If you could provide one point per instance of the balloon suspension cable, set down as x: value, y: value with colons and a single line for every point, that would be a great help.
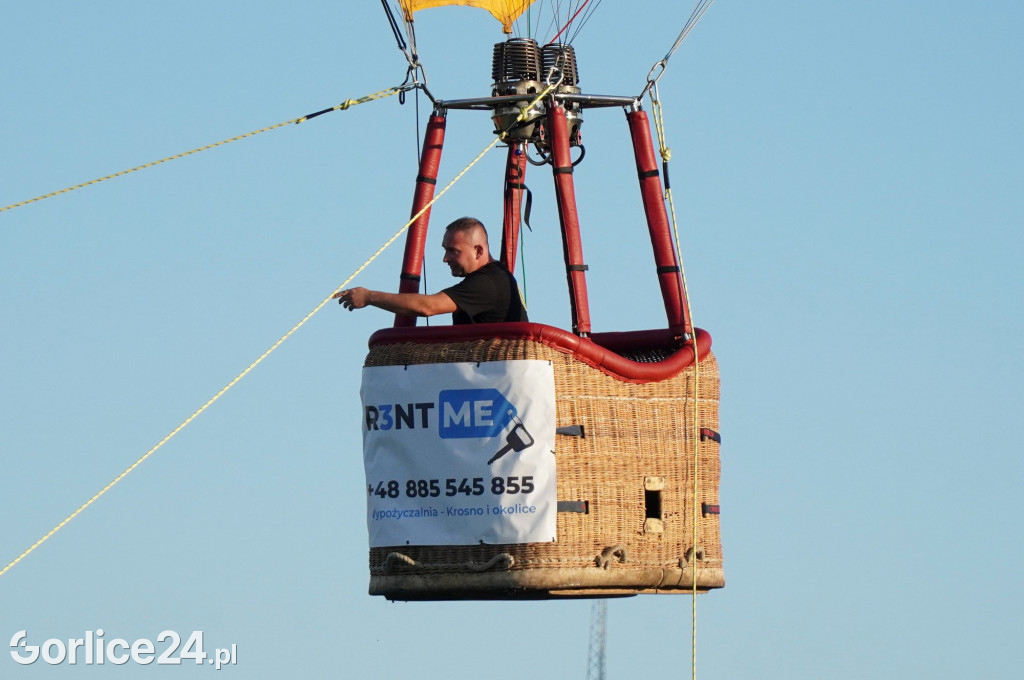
x: 410, y: 55
x: 568, y: 23
x: 415, y: 75
x: 658, y: 70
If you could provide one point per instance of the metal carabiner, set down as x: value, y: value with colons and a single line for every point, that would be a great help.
x: 654, y: 75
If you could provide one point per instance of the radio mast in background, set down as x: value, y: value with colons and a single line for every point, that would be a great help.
x: 598, y: 635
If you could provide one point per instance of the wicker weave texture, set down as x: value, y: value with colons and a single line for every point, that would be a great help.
x: 634, y: 467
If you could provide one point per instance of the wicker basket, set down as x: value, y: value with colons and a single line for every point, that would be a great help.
x: 625, y: 488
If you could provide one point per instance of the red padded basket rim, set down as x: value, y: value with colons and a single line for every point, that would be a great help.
x: 600, y: 350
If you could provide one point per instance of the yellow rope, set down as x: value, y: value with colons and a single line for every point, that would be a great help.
x: 340, y: 107
x: 251, y: 366
x: 666, y: 154
x: 359, y: 270
x: 659, y: 126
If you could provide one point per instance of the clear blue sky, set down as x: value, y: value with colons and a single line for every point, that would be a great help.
x: 848, y: 179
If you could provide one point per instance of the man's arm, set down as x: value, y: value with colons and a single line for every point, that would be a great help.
x: 407, y: 304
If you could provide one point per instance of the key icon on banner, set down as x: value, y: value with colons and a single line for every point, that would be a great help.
x: 518, y: 439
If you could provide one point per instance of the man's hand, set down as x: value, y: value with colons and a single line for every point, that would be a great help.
x: 407, y: 304
x: 354, y: 298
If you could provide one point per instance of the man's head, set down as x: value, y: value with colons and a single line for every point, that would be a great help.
x: 465, y: 246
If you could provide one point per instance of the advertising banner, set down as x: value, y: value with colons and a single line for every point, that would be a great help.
x: 459, y: 454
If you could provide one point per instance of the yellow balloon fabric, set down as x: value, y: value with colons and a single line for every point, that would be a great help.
x: 505, y: 11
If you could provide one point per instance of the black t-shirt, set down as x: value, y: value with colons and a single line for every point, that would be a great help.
x: 488, y: 295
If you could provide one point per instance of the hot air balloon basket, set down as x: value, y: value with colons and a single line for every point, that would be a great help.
x: 635, y: 513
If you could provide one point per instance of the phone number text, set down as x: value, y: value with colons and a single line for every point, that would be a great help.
x: 453, y: 486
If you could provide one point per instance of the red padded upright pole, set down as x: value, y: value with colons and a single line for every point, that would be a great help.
x: 565, y: 195
x: 515, y: 173
x: 669, y: 273
x: 415, y: 241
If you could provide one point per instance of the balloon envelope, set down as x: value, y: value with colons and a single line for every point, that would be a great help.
x: 505, y: 11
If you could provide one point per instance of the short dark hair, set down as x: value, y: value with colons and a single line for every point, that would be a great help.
x: 466, y: 225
